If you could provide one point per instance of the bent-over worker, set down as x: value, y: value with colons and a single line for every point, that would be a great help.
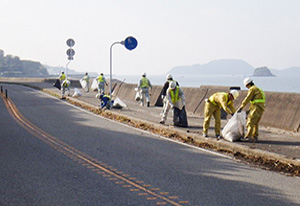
x: 213, y: 108
x: 175, y: 96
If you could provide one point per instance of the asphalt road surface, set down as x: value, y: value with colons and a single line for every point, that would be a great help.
x: 52, y: 153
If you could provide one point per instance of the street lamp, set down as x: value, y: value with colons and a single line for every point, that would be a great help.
x: 130, y: 43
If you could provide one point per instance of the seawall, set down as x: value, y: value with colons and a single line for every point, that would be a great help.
x: 282, y: 109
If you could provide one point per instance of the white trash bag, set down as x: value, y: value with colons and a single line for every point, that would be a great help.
x: 77, y: 93
x: 118, y: 103
x: 83, y: 84
x: 137, y: 95
x: 94, y: 85
x: 235, y: 127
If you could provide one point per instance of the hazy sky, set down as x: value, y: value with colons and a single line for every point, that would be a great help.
x: 169, y: 32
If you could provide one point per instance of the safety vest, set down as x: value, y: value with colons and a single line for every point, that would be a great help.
x: 86, y: 78
x: 211, y: 99
x: 175, y: 95
x: 263, y: 100
x: 62, y: 77
x: 100, y: 79
x: 144, y: 82
x: 65, y: 83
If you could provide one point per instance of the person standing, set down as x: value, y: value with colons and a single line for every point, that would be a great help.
x: 174, y: 96
x: 87, y: 79
x: 101, y: 84
x: 166, y: 105
x: 145, y: 84
x: 62, y: 77
x: 257, y: 99
x: 213, y: 108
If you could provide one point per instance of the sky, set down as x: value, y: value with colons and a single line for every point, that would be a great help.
x: 170, y: 33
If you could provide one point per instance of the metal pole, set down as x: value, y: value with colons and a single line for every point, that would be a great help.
x: 67, y: 69
x: 6, y: 94
x: 110, y: 75
x: 1, y: 89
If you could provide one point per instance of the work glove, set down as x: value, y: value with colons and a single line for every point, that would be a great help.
x: 239, y: 109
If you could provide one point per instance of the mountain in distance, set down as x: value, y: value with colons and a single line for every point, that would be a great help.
x: 292, y: 71
x: 56, y: 70
x: 219, y: 67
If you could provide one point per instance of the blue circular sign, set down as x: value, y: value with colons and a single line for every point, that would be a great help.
x: 70, y: 52
x: 130, y: 43
x: 70, y: 42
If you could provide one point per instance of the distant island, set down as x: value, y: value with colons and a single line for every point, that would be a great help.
x: 263, y: 72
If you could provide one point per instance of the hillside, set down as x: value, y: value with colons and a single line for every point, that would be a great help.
x: 13, y: 66
x: 219, y: 67
x: 292, y: 71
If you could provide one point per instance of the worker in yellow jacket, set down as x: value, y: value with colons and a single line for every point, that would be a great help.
x: 256, y: 97
x: 145, y: 85
x: 213, y: 108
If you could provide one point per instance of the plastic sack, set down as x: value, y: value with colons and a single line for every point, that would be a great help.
x: 94, y: 85
x: 77, y: 93
x: 118, y: 103
x: 235, y: 127
x: 180, y: 117
x: 57, y: 84
x: 83, y: 84
x: 137, y: 96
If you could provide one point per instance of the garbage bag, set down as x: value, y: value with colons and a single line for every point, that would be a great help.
x: 77, y: 93
x: 118, y: 103
x: 57, y: 84
x: 83, y: 84
x: 235, y: 127
x: 94, y: 85
x: 137, y: 96
x: 180, y: 117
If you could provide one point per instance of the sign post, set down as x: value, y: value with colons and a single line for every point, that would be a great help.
x: 70, y: 53
x: 130, y: 43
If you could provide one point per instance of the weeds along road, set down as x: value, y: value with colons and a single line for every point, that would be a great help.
x: 52, y: 153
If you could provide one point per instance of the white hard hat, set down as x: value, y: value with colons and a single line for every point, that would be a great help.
x: 247, y: 81
x: 169, y: 76
x: 235, y: 93
x: 172, y: 85
x: 144, y: 74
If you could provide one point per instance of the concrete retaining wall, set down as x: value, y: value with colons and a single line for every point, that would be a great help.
x: 282, y: 109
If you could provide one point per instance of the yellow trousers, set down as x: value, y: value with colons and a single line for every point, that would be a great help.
x: 255, y: 114
x: 209, y: 111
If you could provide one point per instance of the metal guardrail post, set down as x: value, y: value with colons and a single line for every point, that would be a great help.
x: 6, y: 94
x: 1, y: 89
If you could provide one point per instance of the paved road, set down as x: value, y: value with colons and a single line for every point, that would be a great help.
x: 52, y: 153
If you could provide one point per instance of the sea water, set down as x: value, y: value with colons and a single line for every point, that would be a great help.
x: 290, y: 84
